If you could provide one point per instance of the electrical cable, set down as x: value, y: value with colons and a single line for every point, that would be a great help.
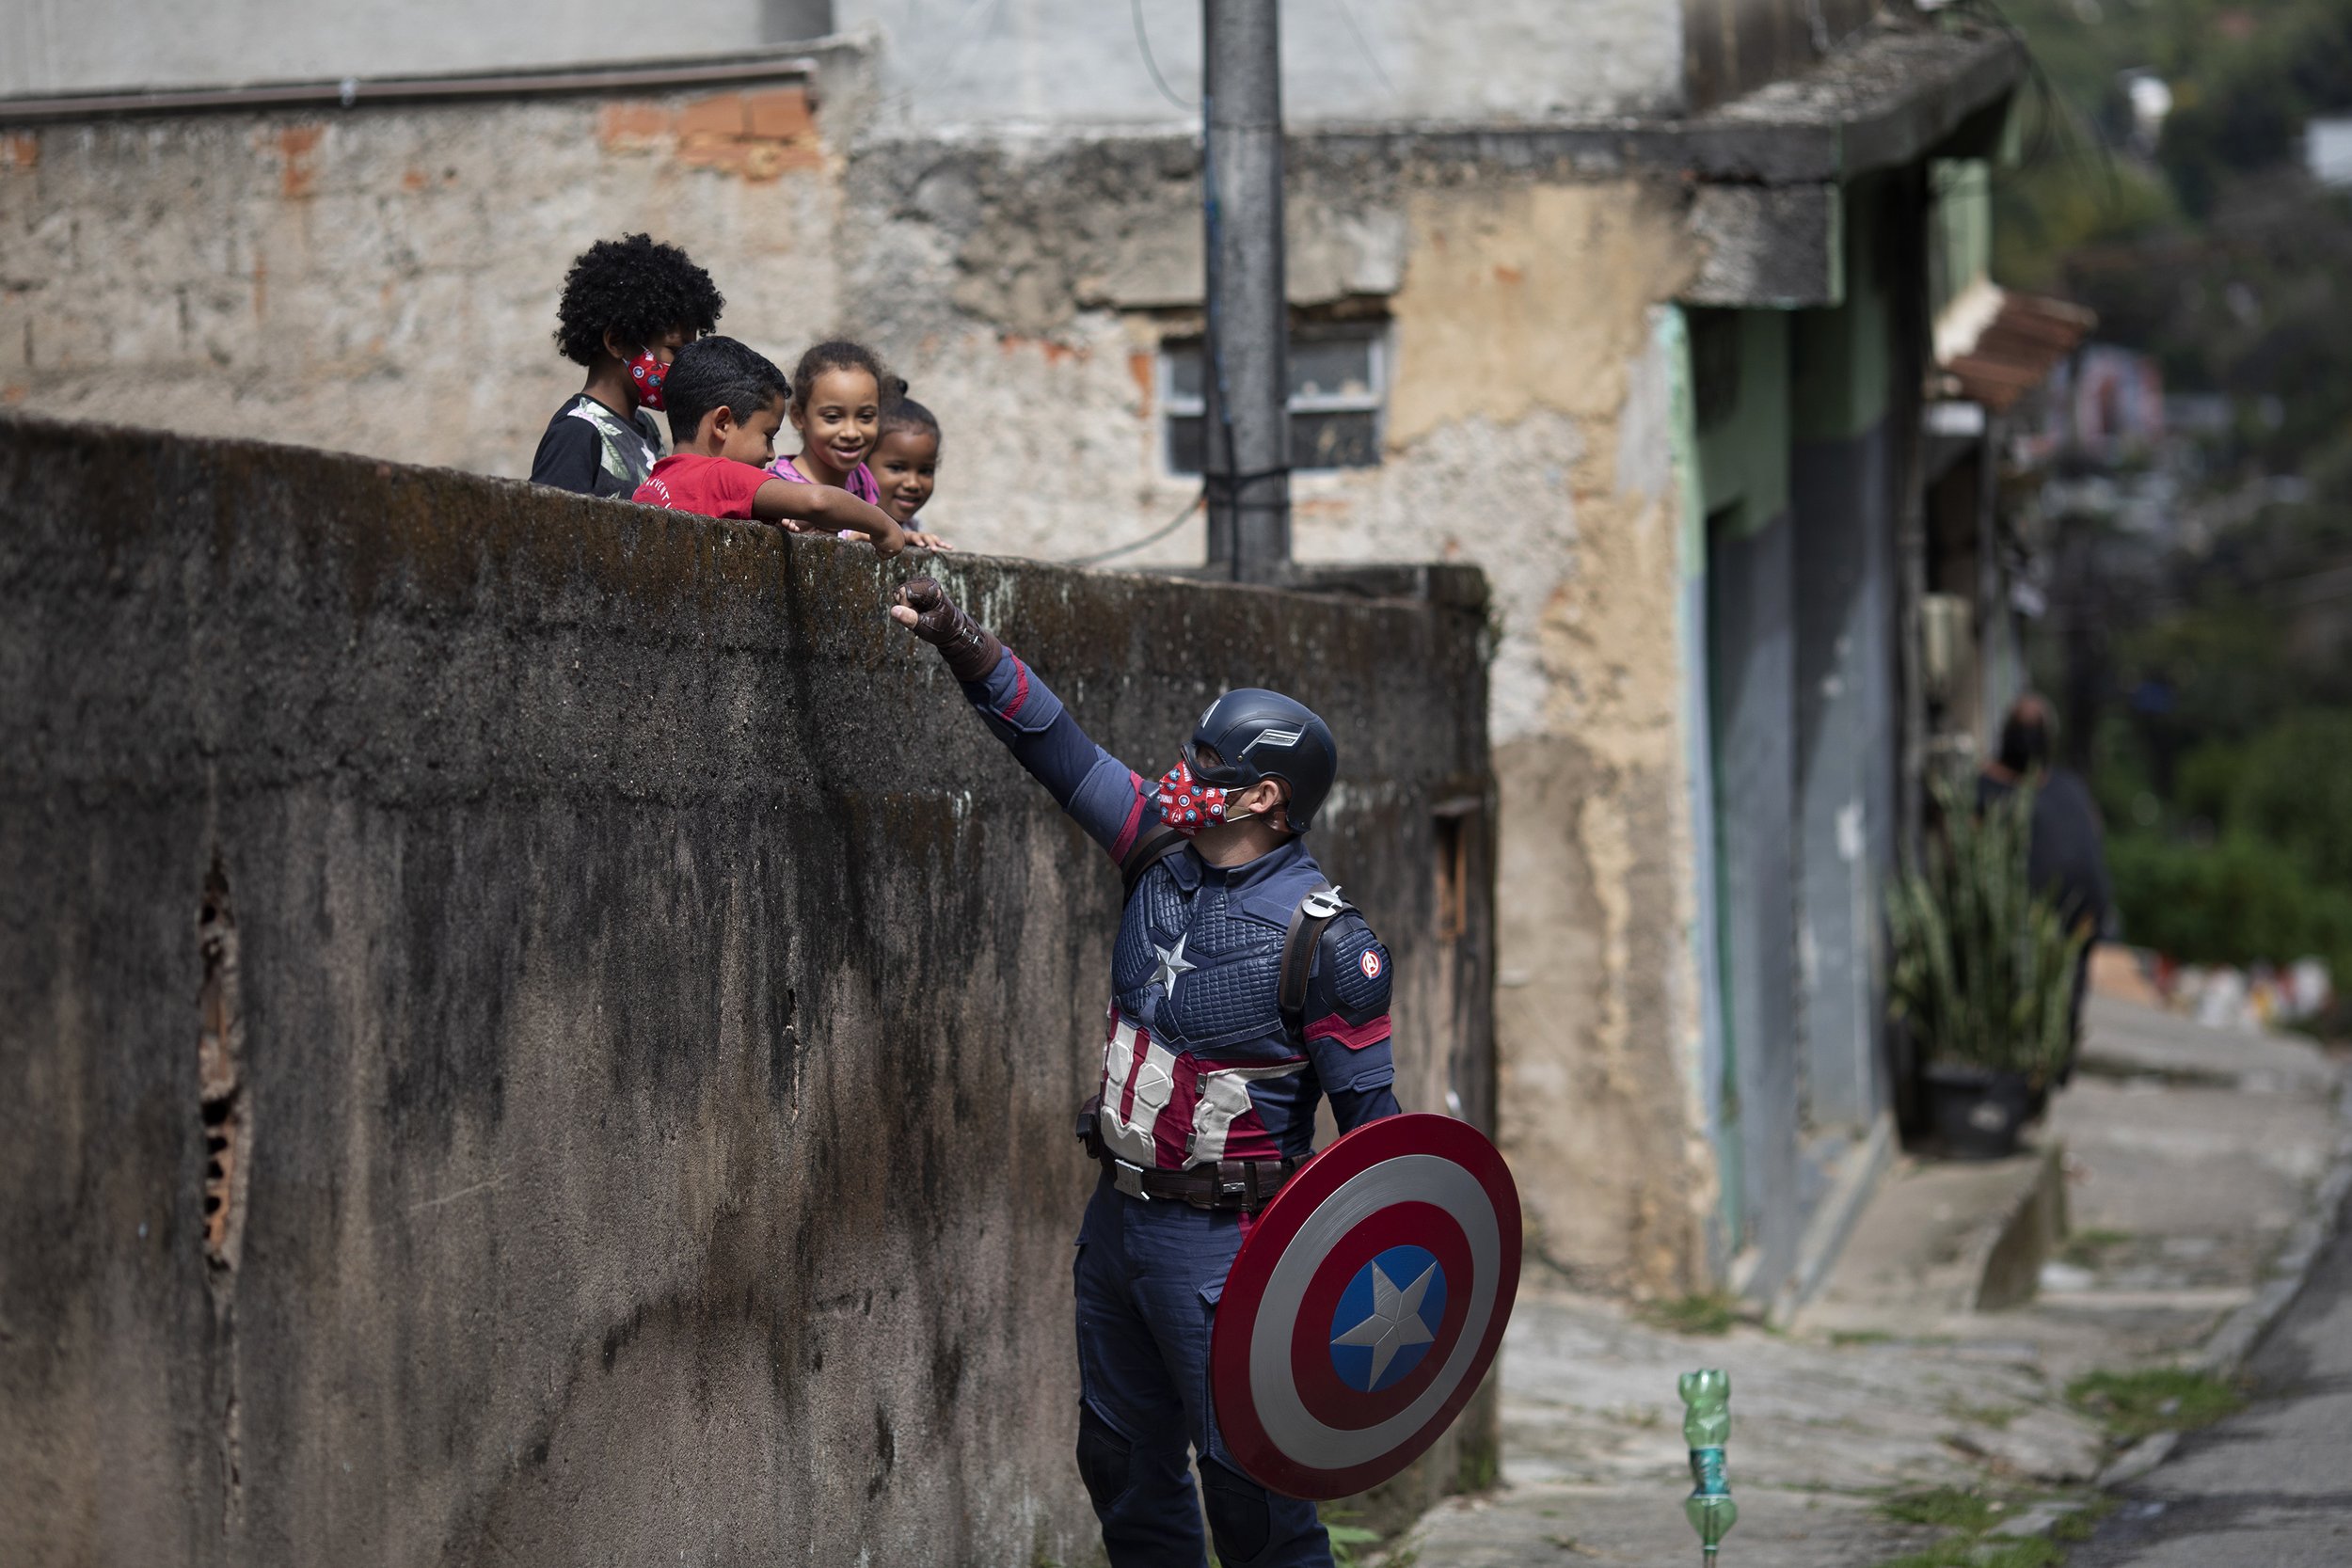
x: 1151, y: 538
x: 1227, y: 484
x: 1363, y: 43
x: 1143, y: 41
x: 1215, y: 360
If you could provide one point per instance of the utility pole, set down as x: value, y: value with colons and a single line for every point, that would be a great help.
x: 1246, y: 373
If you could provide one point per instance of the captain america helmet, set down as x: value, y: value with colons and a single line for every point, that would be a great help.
x: 1257, y: 735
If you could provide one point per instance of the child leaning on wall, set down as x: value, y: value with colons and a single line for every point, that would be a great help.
x: 838, y: 391
x: 905, y: 464
x: 726, y: 403
x: 629, y: 305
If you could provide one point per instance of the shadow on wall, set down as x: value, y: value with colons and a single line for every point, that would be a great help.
x: 542, y: 1029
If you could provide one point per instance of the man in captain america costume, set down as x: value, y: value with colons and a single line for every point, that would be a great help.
x: 1211, y: 1073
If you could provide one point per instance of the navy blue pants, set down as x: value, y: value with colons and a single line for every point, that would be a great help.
x: 1149, y: 1276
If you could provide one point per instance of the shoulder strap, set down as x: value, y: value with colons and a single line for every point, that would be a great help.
x: 1321, y: 907
x: 1150, y: 848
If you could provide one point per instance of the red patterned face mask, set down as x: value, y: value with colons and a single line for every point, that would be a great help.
x: 1187, y: 804
x: 648, y: 371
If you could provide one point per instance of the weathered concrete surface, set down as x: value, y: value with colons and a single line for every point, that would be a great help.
x: 638, y: 1009
x: 1952, y: 1236
x: 1074, y: 66
x: 2182, y: 1193
x: 2266, y: 1487
x: 2191, y: 1157
x: 1776, y: 247
x: 1597, y: 1468
x: 114, y: 44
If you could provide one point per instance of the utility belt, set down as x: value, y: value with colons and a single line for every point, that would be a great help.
x: 1244, y: 1186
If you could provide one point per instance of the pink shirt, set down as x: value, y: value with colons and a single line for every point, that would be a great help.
x: 861, y: 482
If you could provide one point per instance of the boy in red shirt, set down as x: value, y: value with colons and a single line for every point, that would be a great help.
x: 726, y: 403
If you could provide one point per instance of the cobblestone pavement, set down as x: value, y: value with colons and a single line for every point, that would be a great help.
x: 2192, y: 1158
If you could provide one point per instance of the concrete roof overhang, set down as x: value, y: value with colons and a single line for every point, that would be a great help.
x: 1769, y: 169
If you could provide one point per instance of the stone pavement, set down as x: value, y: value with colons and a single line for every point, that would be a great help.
x: 2269, y: 1487
x: 2193, y: 1159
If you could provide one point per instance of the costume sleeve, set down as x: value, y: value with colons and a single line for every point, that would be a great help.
x: 1348, y: 1022
x: 1108, y: 799
x: 570, y: 457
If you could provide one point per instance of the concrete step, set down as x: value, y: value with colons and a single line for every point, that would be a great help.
x: 1947, y: 1237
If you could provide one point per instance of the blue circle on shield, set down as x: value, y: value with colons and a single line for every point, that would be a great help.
x: 1387, y: 1319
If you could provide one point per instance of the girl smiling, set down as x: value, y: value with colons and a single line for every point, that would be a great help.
x: 836, y: 410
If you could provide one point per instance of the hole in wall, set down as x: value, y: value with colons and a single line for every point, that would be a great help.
x: 220, y: 1073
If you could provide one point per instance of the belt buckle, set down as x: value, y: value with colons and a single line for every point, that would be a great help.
x: 1127, y: 1177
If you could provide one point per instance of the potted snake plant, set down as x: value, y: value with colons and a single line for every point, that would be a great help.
x: 1983, y: 972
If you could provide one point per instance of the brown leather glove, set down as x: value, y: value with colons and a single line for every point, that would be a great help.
x: 969, y: 648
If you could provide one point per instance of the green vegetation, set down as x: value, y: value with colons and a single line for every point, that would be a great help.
x: 2166, y: 1399
x: 2083, y: 1523
x: 1997, y: 1417
x: 2087, y: 1249
x: 1481, y: 1465
x: 2223, y: 673
x: 1970, y: 1517
x: 1346, y: 1539
x: 1983, y: 968
x: 1711, y: 1313
x: 1962, y: 1551
x: 1946, y: 1508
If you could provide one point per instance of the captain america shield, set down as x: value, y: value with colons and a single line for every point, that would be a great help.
x: 1366, y: 1305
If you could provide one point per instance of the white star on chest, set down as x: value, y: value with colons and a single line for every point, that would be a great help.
x: 1172, y: 963
x: 1396, y: 1322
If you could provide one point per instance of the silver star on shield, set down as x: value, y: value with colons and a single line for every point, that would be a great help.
x: 1396, y: 1322
x: 1171, y: 965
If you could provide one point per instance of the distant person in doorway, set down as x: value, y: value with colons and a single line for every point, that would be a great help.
x: 2067, y: 858
x: 629, y: 306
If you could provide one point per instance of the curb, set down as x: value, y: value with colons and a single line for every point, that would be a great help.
x: 2229, y: 1345
x: 1832, y: 1222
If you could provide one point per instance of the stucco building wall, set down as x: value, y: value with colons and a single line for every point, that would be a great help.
x: 949, y: 64
x: 384, y: 281
x: 545, y: 1031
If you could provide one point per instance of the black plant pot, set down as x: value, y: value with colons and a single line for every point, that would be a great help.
x: 1976, y: 1114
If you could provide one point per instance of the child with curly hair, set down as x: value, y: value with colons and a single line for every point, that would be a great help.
x: 629, y: 306
x: 838, y: 391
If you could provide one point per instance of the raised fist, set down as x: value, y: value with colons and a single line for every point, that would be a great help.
x: 924, y: 609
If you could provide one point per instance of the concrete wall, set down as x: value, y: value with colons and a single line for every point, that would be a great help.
x: 1070, y: 63
x: 50, y: 46
x: 385, y: 281
x: 944, y: 63
x: 541, y: 1031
